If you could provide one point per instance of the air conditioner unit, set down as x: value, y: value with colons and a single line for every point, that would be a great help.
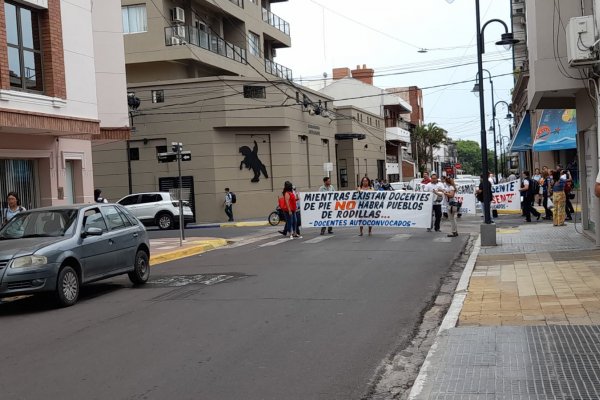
x: 179, y: 31
x: 175, y: 41
x: 178, y: 15
x: 522, y: 21
x: 581, y: 40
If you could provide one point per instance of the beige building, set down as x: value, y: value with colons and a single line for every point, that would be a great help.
x: 205, y: 76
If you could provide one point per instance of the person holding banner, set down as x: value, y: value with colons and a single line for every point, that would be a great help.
x: 453, y: 205
x: 437, y: 188
x: 365, y: 184
x: 327, y: 187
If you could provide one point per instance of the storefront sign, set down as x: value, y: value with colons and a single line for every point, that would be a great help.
x: 369, y: 208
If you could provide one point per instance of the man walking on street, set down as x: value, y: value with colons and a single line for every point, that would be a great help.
x: 327, y: 187
x: 228, y: 204
x: 528, y: 190
x: 437, y: 188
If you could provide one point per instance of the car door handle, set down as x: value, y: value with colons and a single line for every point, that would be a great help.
x: 135, y: 235
x: 110, y: 241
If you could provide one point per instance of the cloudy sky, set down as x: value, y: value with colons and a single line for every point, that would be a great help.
x: 386, y: 34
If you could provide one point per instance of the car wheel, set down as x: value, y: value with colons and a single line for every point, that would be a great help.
x: 274, y: 218
x: 165, y: 221
x: 67, y: 287
x: 141, y: 268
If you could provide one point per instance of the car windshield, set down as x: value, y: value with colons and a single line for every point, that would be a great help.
x: 43, y: 223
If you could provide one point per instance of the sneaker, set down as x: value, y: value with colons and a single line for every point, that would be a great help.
x: 291, y: 237
x: 299, y: 237
x: 438, y: 230
x: 428, y: 229
x: 283, y: 233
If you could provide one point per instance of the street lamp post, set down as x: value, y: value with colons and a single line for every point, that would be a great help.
x: 508, y: 117
x: 476, y: 91
x: 488, y: 235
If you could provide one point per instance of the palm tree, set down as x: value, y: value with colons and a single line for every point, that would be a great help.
x: 426, y: 138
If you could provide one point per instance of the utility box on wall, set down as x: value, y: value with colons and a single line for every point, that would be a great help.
x: 581, y: 41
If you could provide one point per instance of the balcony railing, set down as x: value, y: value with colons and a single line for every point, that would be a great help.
x: 278, y: 70
x: 178, y: 35
x: 275, y: 21
x: 239, y: 3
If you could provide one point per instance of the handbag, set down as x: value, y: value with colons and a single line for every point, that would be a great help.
x: 550, y: 204
x: 571, y: 196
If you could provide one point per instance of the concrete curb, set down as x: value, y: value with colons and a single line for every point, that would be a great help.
x: 450, y: 319
x: 195, y: 248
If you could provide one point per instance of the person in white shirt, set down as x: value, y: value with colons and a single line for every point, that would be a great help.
x: 452, y: 204
x: 228, y: 205
x: 327, y: 187
x: 437, y: 188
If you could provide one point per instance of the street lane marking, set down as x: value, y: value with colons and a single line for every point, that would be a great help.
x: 275, y: 242
x: 246, y: 241
x: 400, y: 237
x: 443, y: 240
x: 318, y: 239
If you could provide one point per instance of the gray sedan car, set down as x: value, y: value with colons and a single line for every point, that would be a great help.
x: 56, y: 249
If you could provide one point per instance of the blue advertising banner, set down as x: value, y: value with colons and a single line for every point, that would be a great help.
x: 556, y: 130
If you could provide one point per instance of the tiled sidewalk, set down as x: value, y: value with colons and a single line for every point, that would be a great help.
x: 534, y: 289
x: 529, y: 325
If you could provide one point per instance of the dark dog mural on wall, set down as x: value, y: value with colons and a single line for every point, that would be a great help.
x: 251, y: 161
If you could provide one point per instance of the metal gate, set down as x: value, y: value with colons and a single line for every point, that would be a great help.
x: 171, y: 185
x: 19, y: 176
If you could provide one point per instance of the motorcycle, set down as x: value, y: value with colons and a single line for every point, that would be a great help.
x: 276, y: 216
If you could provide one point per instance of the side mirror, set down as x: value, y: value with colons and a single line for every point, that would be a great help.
x: 92, y: 231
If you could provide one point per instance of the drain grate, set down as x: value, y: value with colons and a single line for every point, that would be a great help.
x: 536, y: 362
x: 185, y: 280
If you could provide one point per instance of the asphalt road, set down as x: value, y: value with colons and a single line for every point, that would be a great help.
x: 290, y: 319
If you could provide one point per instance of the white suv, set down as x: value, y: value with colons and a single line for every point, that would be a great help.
x: 157, y: 208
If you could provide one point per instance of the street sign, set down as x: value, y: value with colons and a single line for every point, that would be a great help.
x: 457, y: 166
x: 166, y: 157
x: 186, y: 156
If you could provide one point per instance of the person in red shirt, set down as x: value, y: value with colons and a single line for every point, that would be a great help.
x: 426, y: 178
x: 287, y: 201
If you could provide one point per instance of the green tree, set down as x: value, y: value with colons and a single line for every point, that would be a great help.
x: 469, y: 156
x: 426, y: 138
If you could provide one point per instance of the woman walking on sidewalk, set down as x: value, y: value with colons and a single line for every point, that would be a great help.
x: 559, y: 199
x: 546, y: 189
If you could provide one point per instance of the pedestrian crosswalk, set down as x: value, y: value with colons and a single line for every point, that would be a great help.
x: 276, y: 239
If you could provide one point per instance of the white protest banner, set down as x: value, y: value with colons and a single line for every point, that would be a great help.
x: 465, y: 194
x: 506, y: 196
x: 366, y: 208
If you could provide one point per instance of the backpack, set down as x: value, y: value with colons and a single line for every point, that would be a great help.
x: 568, y: 186
x: 233, y: 198
x: 534, y: 187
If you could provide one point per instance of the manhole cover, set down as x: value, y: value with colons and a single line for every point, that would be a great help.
x: 185, y: 280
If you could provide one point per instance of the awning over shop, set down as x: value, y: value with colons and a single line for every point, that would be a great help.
x: 557, y: 130
x: 521, y: 141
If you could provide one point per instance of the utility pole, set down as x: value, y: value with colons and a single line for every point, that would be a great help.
x: 177, y: 148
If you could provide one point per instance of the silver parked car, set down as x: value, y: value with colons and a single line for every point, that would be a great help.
x: 57, y: 249
x: 157, y: 208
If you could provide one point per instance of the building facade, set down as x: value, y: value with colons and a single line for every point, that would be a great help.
x: 355, y: 87
x: 555, y: 96
x: 58, y: 82
x: 205, y: 76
